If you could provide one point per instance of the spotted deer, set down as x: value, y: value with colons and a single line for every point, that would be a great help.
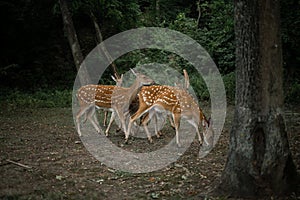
x: 118, y: 81
x: 152, y: 114
x: 99, y: 96
x: 174, y: 100
x: 113, y: 98
x: 123, y: 97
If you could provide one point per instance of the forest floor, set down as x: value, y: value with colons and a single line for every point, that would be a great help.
x: 42, y: 157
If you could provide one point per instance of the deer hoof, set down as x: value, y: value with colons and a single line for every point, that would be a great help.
x: 118, y: 130
x: 200, y: 142
x: 150, y: 140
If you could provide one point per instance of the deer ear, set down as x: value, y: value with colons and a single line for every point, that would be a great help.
x: 113, y: 78
x: 116, y: 75
x: 134, y: 73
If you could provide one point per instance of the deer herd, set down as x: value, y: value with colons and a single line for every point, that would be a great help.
x: 143, y: 100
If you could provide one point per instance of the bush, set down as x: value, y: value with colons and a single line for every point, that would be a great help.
x: 229, y: 82
x: 202, y: 92
x: 199, y: 86
x: 215, y: 32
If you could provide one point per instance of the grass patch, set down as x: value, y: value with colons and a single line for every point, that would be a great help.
x: 41, y: 98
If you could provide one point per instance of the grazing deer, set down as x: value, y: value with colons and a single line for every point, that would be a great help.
x: 98, y: 96
x: 176, y: 101
x: 152, y: 114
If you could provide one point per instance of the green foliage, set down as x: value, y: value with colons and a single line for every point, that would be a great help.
x: 229, y: 83
x: 199, y: 86
x: 292, y: 93
x: 202, y: 92
x: 37, y: 99
x: 36, y: 54
x: 215, y: 32
x: 113, y: 15
x: 162, y: 12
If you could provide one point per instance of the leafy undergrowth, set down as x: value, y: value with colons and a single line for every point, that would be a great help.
x: 41, y: 98
x: 56, y: 165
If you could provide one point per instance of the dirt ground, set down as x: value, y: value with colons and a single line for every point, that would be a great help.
x: 51, y: 162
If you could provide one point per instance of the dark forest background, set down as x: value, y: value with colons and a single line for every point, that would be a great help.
x: 36, y: 64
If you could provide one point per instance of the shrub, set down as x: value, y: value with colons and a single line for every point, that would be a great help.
x: 229, y: 82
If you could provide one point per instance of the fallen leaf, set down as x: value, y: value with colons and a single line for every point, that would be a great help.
x: 154, y: 195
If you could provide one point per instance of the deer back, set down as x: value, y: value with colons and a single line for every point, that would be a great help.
x: 99, y: 94
x: 172, y: 99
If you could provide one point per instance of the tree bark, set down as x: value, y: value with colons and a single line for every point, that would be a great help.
x: 199, y: 13
x: 157, y: 11
x: 70, y: 32
x: 259, y: 160
x: 99, y: 40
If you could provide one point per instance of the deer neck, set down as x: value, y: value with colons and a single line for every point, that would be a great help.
x: 133, y: 91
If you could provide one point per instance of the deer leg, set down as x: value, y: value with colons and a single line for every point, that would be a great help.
x: 176, y: 118
x: 112, y: 118
x: 78, y: 126
x: 171, y: 121
x: 195, y: 125
x: 156, y: 112
x: 78, y: 123
x: 105, y: 118
x: 205, y: 138
x: 81, y: 112
x: 128, y: 130
x: 144, y: 122
x: 85, y: 118
x: 199, y: 136
x: 121, y: 116
x: 134, y: 117
x: 156, y: 125
x: 93, y: 119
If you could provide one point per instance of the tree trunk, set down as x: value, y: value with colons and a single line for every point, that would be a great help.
x: 99, y: 40
x: 70, y: 32
x: 199, y: 13
x: 157, y: 11
x: 259, y: 160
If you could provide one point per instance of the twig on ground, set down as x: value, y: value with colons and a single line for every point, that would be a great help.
x: 19, y: 164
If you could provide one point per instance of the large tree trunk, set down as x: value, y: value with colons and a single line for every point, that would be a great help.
x: 259, y: 160
x: 70, y: 32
